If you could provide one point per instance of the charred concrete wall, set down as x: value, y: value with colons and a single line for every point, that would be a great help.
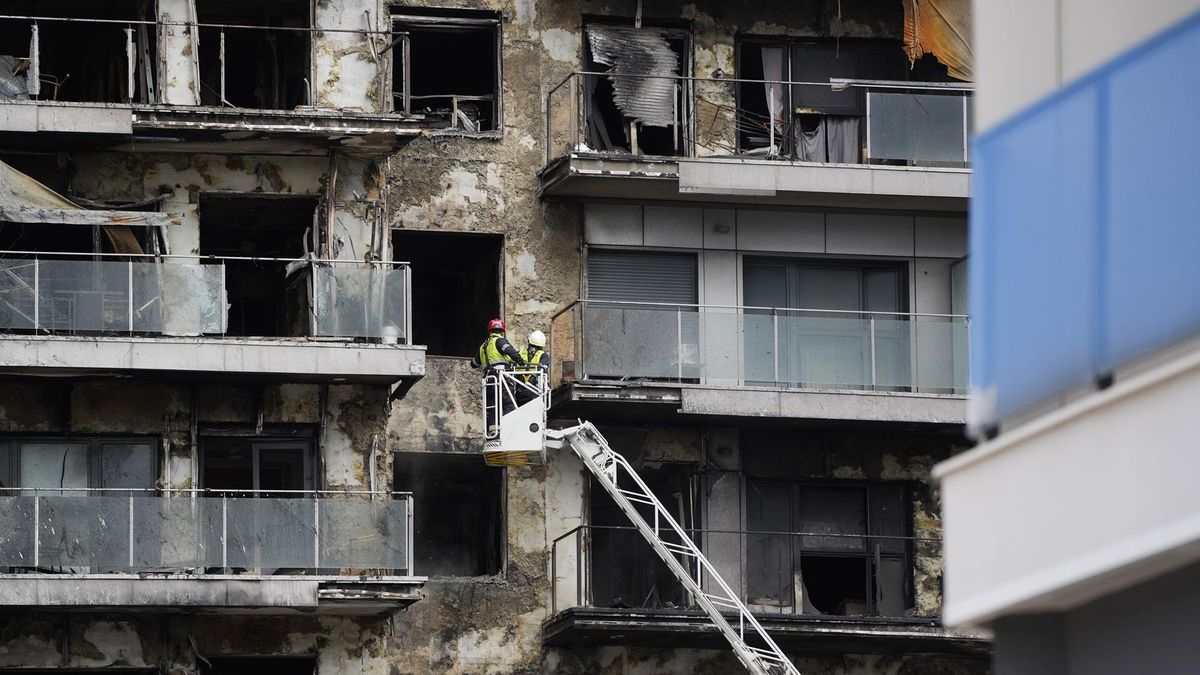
x: 487, y: 184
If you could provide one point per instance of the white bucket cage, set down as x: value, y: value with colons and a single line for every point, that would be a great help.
x: 514, y: 416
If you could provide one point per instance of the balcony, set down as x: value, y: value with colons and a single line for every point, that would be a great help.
x: 236, y: 78
x: 128, y: 550
x: 636, y: 359
x: 814, y: 592
x: 88, y: 314
x: 908, y: 149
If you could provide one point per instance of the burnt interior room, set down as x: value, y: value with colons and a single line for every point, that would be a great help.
x: 817, y: 113
x: 256, y: 463
x: 455, y: 287
x: 263, y: 300
x: 625, y: 570
x: 78, y: 61
x: 608, y: 124
x: 265, y: 68
x: 457, y: 524
x: 436, y: 76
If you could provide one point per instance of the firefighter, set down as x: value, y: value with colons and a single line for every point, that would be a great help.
x: 535, y: 355
x: 496, y: 353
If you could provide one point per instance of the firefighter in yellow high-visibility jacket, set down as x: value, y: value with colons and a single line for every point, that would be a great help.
x: 496, y: 353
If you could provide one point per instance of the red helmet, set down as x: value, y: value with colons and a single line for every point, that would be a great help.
x: 496, y: 325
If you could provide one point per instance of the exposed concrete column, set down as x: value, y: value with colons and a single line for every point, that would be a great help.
x: 347, y: 69
x: 178, y: 53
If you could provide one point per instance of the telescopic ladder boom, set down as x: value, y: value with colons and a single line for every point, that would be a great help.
x: 753, y: 646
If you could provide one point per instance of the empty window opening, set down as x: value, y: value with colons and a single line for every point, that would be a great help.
x: 458, y: 520
x: 263, y: 300
x: 446, y: 67
x: 821, y: 549
x: 265, y: 68
x: 810, y: 122
x: 273, y: 467
x: 77, y: 60
x: 625, y: 570
x: 255, y: 665
x: 646, y: 112
x: 455, y: 287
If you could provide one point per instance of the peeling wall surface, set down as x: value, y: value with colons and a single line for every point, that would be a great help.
x: 448, y: 182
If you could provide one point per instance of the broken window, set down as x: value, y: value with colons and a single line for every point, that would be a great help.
x: 78, y: 463
x: 640, y: 105
x: 824, y: 549
x: 259, y: 59
x: 271, y: 467
x: 810, y: 122
x: 625, y: 570
x: 56, y: 60
x: 254, y: 665
x: 263, y: 299
x: 447, y: 67
x: 458, y: 520
x: 455, y: 287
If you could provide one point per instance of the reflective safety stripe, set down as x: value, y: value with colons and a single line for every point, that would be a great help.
x: 533, y: 356
x: 490, y: 354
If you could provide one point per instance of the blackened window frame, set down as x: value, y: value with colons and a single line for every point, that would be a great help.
x: 905, y: 555
x: 10, y: 469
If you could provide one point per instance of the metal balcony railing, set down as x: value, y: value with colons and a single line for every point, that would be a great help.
x: 890, y: 122
x: 205, y: 532
x: 759, y: 346
x: 136, y: 42
x: 812, y: 573
x: 71, y: 293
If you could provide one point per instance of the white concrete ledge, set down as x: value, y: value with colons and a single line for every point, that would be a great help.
x: 49, y: 592
x: 732, y: 176
x: 824, y: 405
x: 1089, y: 499
x: 60, y: 116
x: 294, y: 359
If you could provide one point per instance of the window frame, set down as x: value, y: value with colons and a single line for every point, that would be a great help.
x: 906, y: 556
x: 94, y: 443
x: 443, y: 17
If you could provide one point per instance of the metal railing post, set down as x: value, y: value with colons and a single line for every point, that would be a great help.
x: 129, y: 295
x: 130, y: 531
x: 224, y: 533
x: 130, y: 61
x: 679, y: 337
x: 316, y: 533
x: 871, y: 324
x: 775, y: 341
x: 37, y: 534
x: 573, y: 90
x: 37, y: 294
x: 221, y: 58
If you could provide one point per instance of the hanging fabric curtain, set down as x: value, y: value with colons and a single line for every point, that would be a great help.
x: 772, y: 63
x: 941, y: 28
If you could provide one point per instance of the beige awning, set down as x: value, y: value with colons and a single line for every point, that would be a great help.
x: 941, y: 28
x: 25, y: 200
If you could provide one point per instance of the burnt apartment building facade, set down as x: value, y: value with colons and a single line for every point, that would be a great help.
x: 249, y: 249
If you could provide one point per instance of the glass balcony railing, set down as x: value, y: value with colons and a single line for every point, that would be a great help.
x: 60, y: 293
x: 838, y: 121
x: 198, y: 532
x: 813, y: 573
x: 760, y: 346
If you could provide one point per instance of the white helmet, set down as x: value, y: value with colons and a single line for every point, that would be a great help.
x: 538, y: 339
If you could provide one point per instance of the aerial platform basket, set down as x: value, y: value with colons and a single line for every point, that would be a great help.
x: 514, y: 417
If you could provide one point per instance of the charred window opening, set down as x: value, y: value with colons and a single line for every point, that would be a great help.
x: 455, y: 287
x: 447, y: 67
x: 640, y: 106
x: 271, y: 467
x: 265, y: 68
x: 811, y: 122
x: 825, y: 549
x: 263, y: 300
x: 77, y: 60
x: 458, y: 520
x: 253, y: 665
x: 625, y: 570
